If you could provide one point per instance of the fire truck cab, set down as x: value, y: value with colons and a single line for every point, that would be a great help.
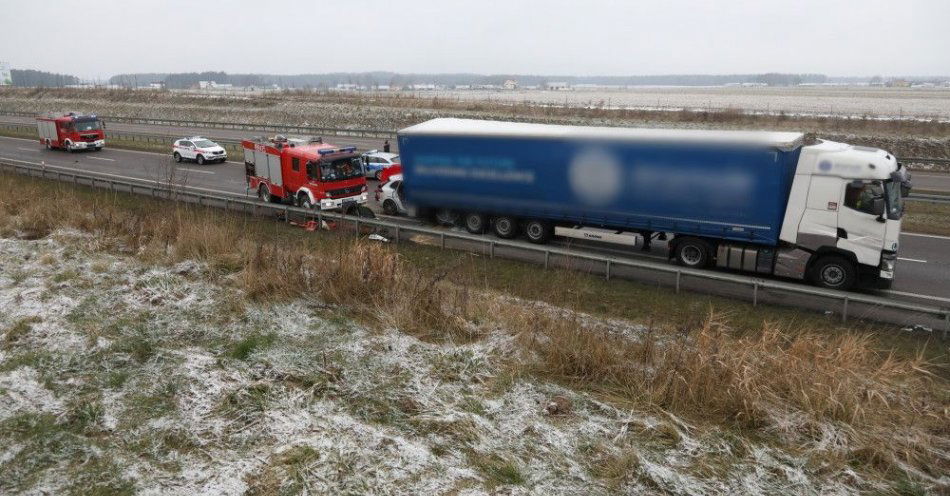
x: 71, y: 132
x: 304, y: 171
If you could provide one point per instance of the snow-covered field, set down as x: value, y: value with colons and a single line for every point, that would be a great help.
x: 121, y: 376
x: 842, y: 101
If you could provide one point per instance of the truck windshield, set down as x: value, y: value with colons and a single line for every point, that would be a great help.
x: 895, y: 203
x: 338, y: 170
x: 87, y: 126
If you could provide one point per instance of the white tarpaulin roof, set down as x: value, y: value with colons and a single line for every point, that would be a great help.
x: 471, y: 127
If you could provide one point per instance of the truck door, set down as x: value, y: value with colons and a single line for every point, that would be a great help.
x: 859, y: 228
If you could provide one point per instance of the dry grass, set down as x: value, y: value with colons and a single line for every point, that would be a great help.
x: 888, y: 412
x: 927, y: 218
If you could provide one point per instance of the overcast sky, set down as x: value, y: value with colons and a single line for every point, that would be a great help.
x: 99, y: 38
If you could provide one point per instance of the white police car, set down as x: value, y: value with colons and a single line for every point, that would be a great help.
x: 374, y: 161
x: 199, y: 149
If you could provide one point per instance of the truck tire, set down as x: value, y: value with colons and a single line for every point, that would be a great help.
x: 48, y: 145
x: 446, y: 217
x: 389, y: 207
x: 505, y: 227
x: 303, y: 201
x: 538, y: 231
x: 693, y: 252
x: 177, y: 157
x: 68, y: 146
x: 200, y: 159
x: 475, y: 222
x: 834, y: 272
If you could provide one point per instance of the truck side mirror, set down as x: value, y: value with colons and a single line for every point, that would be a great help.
x: 877, y: 206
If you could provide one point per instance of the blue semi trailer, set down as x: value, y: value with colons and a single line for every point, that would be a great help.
x: 755, y: 201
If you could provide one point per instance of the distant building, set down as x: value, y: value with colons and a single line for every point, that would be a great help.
x: 347, y: 86
x: 210, y: 85
x: 463, y: 86
x: 898, y: 83
x: 510, y: 84
x: 423, y: 87
x: 157, y: 85
x: 6, y: 74
x: 557, y: 86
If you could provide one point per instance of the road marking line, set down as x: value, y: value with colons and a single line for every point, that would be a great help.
x: 27, y: 149
x: 925, y: 235
x: 196, y: 170
x: 916, y: 295
x: 103, y: 158
x: 911, y: 260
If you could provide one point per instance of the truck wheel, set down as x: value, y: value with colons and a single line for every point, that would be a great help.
x: 68, y: 146
x: 177, y: 157
x: 475, y: 223
x: 693, y: 252
x: 303, y: 201
x: 389, y: 208
x: 538, y: 231
x: 834, y: 272
x: 48, y: 145
x: 446, y: 217
x: 200, y: 160
x: 505, y: 227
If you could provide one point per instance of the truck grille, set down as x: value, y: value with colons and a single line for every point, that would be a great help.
x: 90, y: 138
x: 345, y: 191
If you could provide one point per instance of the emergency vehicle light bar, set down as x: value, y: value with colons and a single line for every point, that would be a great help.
x: 328, y: 151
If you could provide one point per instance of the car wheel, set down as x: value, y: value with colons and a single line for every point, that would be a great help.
x: 177, y: 157
x: 834, y: 272
x: 693, y: 252
x: 389, y: 207
x: 505, y: 227
x: 475, y: 223
x: 538, y: 231
x: 200, y: 160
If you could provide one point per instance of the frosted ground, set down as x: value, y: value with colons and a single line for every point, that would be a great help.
x: 854, y: 101
x: 125, y: 377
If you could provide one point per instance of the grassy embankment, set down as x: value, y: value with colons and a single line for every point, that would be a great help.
x: 760, y: 373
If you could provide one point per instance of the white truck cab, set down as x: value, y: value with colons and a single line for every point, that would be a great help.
x: 843, y: 216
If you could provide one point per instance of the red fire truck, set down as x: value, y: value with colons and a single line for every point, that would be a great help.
x: 71, y: 132
x: 307, y: 172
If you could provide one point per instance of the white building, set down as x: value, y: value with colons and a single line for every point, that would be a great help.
x: 510, y: 84
x: 557, y: 86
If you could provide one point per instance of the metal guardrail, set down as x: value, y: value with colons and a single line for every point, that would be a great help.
x: 183, y: 193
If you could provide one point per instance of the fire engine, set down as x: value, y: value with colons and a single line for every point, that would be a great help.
x: 304, y: 171
x: 71, y: 132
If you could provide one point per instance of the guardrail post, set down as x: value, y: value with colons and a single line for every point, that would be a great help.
x: 755, y: 293
x: 844, y: 310
x: 547, y: 258
x: 946, y: 325
x: 442, y: 240
x: 678, y: 274
x: 491, y: 249
x: 607, y: 271
x: 287, y: 214
x: 357, y: 226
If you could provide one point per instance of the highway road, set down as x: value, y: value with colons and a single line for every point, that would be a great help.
x: 923, y: 270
